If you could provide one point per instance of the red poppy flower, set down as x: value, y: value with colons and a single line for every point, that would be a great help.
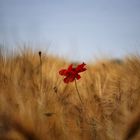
x: 72, y: 73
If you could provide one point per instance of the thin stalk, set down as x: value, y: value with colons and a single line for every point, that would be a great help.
x: 78, y: 91
x: 40, y: 70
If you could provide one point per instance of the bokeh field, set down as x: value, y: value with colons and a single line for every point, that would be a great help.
x: 35, y: 103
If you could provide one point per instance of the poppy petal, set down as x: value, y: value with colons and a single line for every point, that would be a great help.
x: 70, y: 67
x: 66, y: 80
x: 63, y: 72
x: 71, y: 78
x: 78, y: 76
x: 80, y: 68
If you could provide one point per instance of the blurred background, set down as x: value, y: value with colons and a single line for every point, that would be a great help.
x: 79, y: 30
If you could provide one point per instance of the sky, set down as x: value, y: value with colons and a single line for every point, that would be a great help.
x: 74, y: 29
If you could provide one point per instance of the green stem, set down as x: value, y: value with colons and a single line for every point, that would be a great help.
x: 78, y: 91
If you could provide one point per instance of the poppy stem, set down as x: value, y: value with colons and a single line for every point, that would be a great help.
x: 78, y: 91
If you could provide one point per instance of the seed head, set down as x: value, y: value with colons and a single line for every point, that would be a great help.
x: 39, y: 53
